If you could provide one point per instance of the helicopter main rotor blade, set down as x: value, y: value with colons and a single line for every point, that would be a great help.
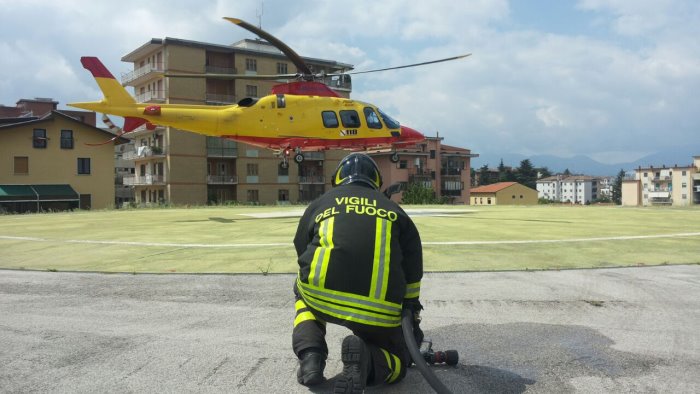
x: 293, y: 56
x: 234, y: 76
x: 409, y: 65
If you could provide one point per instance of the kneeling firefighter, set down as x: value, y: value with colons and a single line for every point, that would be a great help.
x: 360, y: 263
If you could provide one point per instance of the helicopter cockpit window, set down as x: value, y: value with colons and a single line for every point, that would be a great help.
x: 372, y: 118
x: 350, y: 118
x: 388, y: 120
x: 330, y: 119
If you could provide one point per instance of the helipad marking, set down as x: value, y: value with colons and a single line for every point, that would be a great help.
x: 289, y: 244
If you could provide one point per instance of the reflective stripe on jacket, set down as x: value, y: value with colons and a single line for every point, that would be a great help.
x: 359, y: 256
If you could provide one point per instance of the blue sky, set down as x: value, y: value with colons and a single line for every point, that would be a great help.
x: 614, y: 80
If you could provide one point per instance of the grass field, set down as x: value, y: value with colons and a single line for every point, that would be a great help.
x: 229, y: 240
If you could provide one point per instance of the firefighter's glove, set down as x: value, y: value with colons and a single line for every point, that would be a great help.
x: 415, y: 307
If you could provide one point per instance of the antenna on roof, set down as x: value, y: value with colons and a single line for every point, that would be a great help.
x: 260, y: 13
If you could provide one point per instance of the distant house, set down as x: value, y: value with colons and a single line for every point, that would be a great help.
x: 46, y: 164
x: 503, y: 193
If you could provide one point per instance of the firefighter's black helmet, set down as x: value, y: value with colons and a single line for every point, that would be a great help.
x: 357, y: 167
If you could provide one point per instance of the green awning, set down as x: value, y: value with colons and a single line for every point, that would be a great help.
x: 55, y: 192
x: 38, y: 193
x: 17, y: 193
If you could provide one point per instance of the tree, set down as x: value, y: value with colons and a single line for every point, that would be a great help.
x: 526, y: 174
x: 417, y: 193
x: 617, y: 188
x: 567, y: 172
x: 484, y: 175
x: 502, y: 172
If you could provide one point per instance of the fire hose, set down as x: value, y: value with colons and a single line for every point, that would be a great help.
x: 421, y: 360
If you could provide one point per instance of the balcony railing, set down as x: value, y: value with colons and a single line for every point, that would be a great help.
x: 152, y: 96
x: 220, y: 70
x: 141, y: 72
x: 148, y: 179
x: 313, y: 156
x: 222, y: 179
x: 212, y: 98
x: 312, y: 179
x: 143, y: 152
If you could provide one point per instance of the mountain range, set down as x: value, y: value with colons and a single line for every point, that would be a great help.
x: 582, y: 164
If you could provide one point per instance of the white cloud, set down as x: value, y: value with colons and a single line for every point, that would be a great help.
x: 632, y: 83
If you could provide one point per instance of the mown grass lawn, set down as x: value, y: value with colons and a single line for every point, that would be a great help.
x: 223, y: 239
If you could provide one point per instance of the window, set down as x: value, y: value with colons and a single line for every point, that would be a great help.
x: 372, y: 118
x: 330, y: 119
x: 283, y: 195
x: 66, y: 139
x: 488, y: 201
x: 281, y: 68
x: 350, y: 118
x: 251, y: 90
x: 403, y: 164
x: 282, y: 170
x: 251, y: 65
x: 683, y: 173
x: 432, y: 153
x: 252, y: 195
x: 251, y: 169
x: 39, y: 138
x: 645, y: 175
x: 21, y: 165
x: 389, y: 121
x: 684, y: 185
x: 84, y: 165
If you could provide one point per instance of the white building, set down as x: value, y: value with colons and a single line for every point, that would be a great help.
x: 577, y: 189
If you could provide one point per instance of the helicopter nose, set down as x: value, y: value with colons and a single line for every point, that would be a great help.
x: 410, y: 136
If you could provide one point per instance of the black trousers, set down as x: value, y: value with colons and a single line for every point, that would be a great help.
x: 390, y: 357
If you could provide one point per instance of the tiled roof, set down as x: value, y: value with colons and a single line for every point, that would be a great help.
x: 493, y: 188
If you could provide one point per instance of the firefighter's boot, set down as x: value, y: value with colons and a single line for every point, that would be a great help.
x: 311, y: 365
x: 356, y: 366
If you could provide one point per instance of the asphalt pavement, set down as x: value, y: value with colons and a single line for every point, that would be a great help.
x: 628, y: 330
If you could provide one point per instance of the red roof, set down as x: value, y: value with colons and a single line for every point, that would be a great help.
x: 493, y: 188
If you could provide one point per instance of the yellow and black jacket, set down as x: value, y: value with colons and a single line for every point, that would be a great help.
x: 359, y: 257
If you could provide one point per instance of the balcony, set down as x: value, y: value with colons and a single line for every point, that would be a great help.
x: 143, y: 152
x: 421, y: 176
x: 661, y: 178
x: 220, y: 99
x: 222, y: 179
x: 313, y: 156
x: 312, y: 179
x: 220, y: 70
x: 143, y: 180
x: 142, y: 74
x: 154, y: 96
x: 339, y: 82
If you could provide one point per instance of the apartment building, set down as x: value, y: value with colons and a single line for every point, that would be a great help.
x: 180, y: 167
x: 677, y: 185
x: 444, y: 168
x: 576, y: 189
x: 46, y: 162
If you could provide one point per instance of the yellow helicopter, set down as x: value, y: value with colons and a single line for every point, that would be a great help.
x: 302, y: 115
